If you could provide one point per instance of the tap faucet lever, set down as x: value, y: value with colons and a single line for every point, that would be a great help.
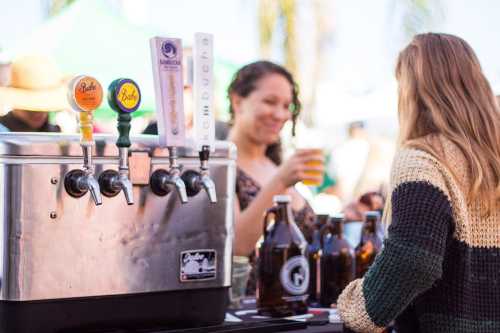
x: 162, y: 180
x: 124, y: 96
x: 196, y: 181
x: 127, y: 188
x: 209, y: 186
x: 180, y: 187
x: 175, y: 175
x: 93, y: 187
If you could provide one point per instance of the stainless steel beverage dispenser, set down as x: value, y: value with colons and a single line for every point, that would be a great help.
x: 68, y: 264
x: 78, y: 257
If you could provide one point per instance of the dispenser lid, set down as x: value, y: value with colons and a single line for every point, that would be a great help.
x: 282, y: 198
x: 68, y: 145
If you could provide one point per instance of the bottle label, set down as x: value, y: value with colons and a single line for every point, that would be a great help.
x: 198, y: 265
x: 294, y: 275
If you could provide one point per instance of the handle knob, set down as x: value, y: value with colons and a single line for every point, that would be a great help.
x: 192, y: 180
x: 84, y: 96
x: 124, y: 97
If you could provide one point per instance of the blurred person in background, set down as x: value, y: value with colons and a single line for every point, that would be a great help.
x: 438, y: 269
x: 370, y: 201
x: 263, y: 97
x: 347, y: 162
x: 360, y: 164
x: 36, y: 88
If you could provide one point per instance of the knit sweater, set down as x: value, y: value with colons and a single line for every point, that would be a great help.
x: 439, y: 270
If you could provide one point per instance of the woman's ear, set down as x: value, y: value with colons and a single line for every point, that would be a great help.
x: 236, y: 102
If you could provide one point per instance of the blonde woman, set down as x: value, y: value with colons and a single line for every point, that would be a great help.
x: 440, y: 268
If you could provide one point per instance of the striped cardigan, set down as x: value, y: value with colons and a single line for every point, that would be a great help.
x: 439, y: 270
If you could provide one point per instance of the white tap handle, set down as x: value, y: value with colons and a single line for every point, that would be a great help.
x: 166, y: 56
x: 203, y: 84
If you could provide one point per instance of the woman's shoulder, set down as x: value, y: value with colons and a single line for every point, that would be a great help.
x: 414, y: 164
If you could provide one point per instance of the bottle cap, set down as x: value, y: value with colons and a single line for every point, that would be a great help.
x: 339, y: 217
x: 282, y: 198
x: 322, y: 218
x: 84, y: 93
x: 372, y: 215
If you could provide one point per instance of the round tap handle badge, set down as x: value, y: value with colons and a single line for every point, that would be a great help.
x: 124, y: 95
x: 85, y: 93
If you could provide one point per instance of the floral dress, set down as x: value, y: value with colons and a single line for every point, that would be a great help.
x: 246, y: 190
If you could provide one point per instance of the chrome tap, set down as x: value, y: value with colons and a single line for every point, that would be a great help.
x: 195, y: 181
x: 112, y: 182
x: 162, y: 180
x: 124, y: 97
x: 88, y: 181
x: 84, y: 95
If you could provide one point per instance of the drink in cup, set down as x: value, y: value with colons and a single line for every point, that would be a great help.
x: 318, y: 153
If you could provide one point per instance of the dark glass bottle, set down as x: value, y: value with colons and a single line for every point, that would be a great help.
x: 370, y: 244
x: 337, y: 261
x: 314, y: 256
x: 282, y: 268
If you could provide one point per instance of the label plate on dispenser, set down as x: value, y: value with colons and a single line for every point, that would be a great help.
x: 198, y: 265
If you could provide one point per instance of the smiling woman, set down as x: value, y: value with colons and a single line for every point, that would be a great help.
x: 263, y: 97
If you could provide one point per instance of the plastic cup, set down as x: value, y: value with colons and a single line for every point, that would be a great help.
x: 314, y: 163
x: 241, y: 273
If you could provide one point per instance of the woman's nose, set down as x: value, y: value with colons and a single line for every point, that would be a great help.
x: 282, y: 114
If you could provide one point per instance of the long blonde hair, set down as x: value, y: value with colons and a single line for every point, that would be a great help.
x: 442, y: 91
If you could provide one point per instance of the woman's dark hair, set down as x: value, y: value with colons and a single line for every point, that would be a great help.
x: 245, y: 81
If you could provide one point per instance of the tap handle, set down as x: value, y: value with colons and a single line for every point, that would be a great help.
x: 86, y: 128
x: 124, y: 96
x: 204, y: 153
x: 123, y: 130
x: 84, y: 96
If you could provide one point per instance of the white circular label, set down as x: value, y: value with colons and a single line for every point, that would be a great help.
x: 294, y: 275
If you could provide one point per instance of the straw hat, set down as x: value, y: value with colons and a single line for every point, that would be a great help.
x: 36, y: 85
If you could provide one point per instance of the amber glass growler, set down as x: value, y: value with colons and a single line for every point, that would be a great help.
x: 282, y: 268
x: 314, y: 256
x: 337, y: 261
x: 370, y: 243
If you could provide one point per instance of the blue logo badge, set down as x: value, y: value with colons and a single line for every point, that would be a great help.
x: 169, y: 50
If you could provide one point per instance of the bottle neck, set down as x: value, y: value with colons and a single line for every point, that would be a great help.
x: 284, y: 212
x: 337, y: 228
x: 370, y: 226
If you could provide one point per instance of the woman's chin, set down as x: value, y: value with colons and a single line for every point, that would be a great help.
x: 269, y: 140
x: 265, y: 138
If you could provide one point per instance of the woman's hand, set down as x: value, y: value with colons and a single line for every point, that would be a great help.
x: 303, y: 165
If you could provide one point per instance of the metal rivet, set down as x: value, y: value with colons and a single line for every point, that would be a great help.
x: 53, y: 215
x: 53, y: 180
